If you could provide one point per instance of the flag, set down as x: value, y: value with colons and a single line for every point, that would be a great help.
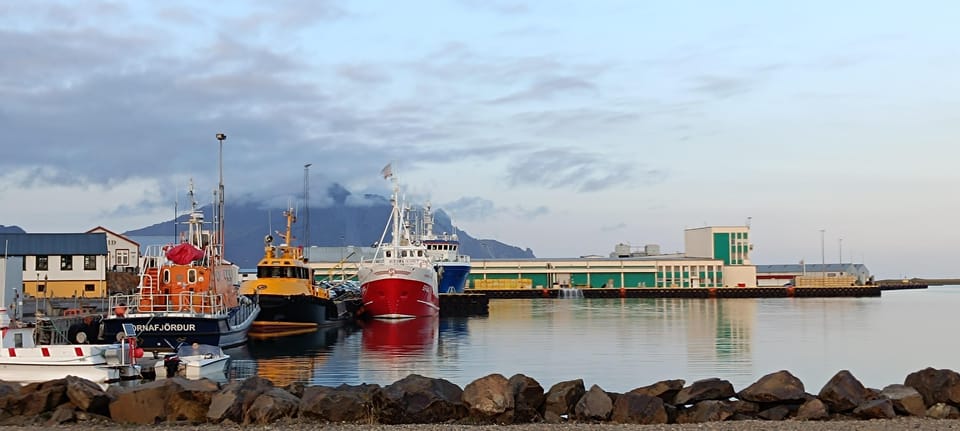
x: 387, y: 171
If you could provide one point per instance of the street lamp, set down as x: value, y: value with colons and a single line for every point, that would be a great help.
x: 306, y: 204
x: 840, y: 246
x: 220, y: 208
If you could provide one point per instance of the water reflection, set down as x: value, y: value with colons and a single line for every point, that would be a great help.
x: 289, y: 359
x: 624, y: 343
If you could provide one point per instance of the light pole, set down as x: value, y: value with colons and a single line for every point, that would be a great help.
x: 823, y: 258
x: 306, y: 204
x: 220, y: 208
x: 840, y: 247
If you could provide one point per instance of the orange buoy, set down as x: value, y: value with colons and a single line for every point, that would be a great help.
x: 712, y: 292
x: 623, y: 292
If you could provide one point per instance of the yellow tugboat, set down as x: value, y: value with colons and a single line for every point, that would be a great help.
x: 290, y: 302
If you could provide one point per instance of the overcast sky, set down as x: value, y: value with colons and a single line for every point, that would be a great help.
x: 562, y: 126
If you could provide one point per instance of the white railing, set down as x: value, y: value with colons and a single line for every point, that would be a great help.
x: 184, y: 302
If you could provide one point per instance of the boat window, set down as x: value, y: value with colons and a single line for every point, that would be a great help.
x: 166, y: 276
x: 420, y: 253
x: 17, y: 340
x: 191, y: 276
x: 388, y: 254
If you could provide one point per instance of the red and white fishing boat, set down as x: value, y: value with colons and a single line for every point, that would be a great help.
x: 399, y: 281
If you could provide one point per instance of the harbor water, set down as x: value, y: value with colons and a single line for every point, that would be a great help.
x: 624, y: 343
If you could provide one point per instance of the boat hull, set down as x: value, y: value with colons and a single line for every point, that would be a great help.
x: 294, y: 308
x: 453, y: 276
x: 166, y: 331
x: 397, y: 292
x: 51, y: 362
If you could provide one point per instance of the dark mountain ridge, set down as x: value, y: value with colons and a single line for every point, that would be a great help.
x: 331, y: 226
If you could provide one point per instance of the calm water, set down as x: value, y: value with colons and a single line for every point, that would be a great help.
x: 621, y: 344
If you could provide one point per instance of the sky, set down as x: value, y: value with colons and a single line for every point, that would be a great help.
x: 561, y: 126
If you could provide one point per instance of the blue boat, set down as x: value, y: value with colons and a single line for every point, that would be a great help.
x: 444, y: 250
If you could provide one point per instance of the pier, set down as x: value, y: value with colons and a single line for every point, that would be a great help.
x: 690, y: 292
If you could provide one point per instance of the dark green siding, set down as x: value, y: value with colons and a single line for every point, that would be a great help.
x: 721, y: 247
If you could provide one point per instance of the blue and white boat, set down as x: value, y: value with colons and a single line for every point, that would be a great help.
x: 444, y: 250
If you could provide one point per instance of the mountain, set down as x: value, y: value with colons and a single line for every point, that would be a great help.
x: 11, y: 229
x: 336, y: 225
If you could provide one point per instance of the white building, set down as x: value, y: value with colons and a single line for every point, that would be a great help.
x: 123, y: 254
x: 729, y: 244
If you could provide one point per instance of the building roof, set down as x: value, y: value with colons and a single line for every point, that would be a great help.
x: 39, y: 244
x: 812, y: 267
x: 101, y: 228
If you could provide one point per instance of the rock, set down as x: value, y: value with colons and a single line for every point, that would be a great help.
x: 9, y: 388
x: 489, y: 399
x: 235, y: 398
x: 594, y: 405
x: 37, y: 398
x: 936, y: 386
x: 906, y: 400
x: 271, y: 405
x: 943, y: 411
x: 345, y: 403
x: 562, y: 398
x: 296, y: 389
x: 528, y: 398
x: 813, y: 410
x: 87, y: 396
x: 843, y: 392
x: 706, y: 389
x: 706, y: 411
x: 419, y: 399
x: 639, y: 409
x: 64, y: 413
x: 777, y: 387
x: 172, y: 400
x: 777, y: 412
x: 666, y: 390
x: 875, y: 409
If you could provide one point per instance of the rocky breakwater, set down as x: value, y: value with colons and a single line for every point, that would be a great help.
x: 493, y: 399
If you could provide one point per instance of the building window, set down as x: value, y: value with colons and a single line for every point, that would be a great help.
x: 41, y: 288
x: 41, y: 263
x: 123, y: 257
x: 89, y: 263
x: 24, y: 260
x: 66, y: 263
x: 89, y: 287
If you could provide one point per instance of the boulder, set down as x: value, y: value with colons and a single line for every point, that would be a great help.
x: 87, y: 396
x: 345, y: 403
x: 936, y: 386
x: 528, y: 398
x: 9, y: 388
x: 37, y: 398
x: 489, y: 399
x: 419, y: 399
x: 562, y: 399
x: 706, y: 411
x: 812, y: 410
x: 778, y: 387
x: 706, y: 389
x: 594, y: 405
x: 875, y: 409
x: 906, y: 400
x: 666, y: 390
x: 843, y: 392
x: 778, y: 412
x: 639, y: 409
x: 274, y: 404
x: 235, y: 398
x: 171, y: 400
x: 65, y: 413
x: 943, y: 411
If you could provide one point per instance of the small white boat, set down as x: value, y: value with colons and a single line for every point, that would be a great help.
x: 194, y: 361
x: 23, y: 360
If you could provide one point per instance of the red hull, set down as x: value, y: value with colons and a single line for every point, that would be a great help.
x: 399, y: 298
